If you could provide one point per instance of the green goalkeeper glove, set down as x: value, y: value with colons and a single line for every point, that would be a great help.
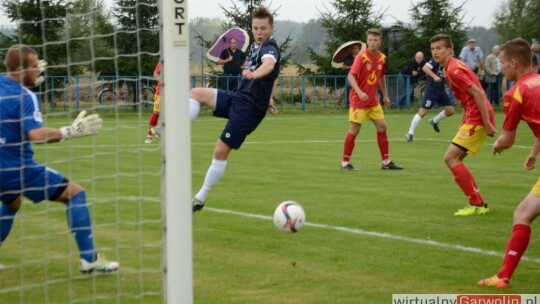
x: 42, y: 64
x: 82, y: 126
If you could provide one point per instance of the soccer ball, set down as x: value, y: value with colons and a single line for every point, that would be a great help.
x: 289, y: 217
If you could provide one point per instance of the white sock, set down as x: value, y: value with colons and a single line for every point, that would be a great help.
x: 194, y: 108
x: 414, y: 123
x: 439, y: 117
x: 213, y: 175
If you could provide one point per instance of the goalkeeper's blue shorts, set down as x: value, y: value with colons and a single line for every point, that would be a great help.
x: 36, y: 182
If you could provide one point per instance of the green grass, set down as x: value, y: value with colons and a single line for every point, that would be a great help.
x: 367, y: 237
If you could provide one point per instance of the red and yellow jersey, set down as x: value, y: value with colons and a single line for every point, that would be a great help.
x: 158, y: 86
x: 522, y: 102
x: 368, y: 70
x: 460, y: 77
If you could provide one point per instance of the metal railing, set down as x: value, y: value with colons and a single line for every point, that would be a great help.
x: 132, y: 93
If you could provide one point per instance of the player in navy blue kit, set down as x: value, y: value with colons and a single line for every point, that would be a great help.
x: 435, y: 93
x: 21, y: 124
x: 246, y: 107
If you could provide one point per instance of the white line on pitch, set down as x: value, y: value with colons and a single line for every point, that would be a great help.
x: 379, y: 235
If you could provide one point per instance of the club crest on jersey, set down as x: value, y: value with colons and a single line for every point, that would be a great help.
x: 379, y: 67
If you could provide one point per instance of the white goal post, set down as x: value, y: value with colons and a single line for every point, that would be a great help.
x: 178, y: 255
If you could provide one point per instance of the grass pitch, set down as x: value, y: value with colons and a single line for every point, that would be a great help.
x: 369, y: 234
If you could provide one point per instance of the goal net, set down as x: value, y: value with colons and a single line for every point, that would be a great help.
x: 101, y: 58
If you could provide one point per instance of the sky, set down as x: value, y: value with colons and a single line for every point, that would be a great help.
x: 477, y: 12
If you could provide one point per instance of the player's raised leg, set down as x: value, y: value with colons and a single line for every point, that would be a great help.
x: 198, y: 97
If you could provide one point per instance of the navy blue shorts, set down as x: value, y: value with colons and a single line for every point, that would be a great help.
x: 36, y: 182
x: 436, y: 97
x: 243, y: 117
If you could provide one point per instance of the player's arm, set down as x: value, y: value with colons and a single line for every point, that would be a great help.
x: 505, y: 141
x: 428, y: 71
x: 382, y: 85
x: 351, y: 78
x: 478, y: 95
x: 266, y: 68
x: 82, y: 126
x: 530, y: 161
x: 271, y: 105
x: 44, y: 135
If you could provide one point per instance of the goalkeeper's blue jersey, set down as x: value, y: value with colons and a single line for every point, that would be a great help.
x: 19, y: 113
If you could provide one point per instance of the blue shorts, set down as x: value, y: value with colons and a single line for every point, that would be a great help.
x: 243, y: 117
x: 439, y: 97
x: 36, y: 182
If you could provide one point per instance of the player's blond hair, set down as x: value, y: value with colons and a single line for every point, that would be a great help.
x: 374, y: 32
x: 442, y: 37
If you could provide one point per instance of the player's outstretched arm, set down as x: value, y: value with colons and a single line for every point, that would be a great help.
x: 82, y: 126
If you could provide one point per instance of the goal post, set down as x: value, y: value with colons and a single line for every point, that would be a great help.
x: 176, y: 126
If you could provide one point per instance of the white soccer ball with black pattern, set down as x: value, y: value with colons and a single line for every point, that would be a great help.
x: 289, y: 217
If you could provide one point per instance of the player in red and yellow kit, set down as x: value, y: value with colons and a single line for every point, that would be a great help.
x: 367, y: 72
x: 521, y: 102
x: 477, y: 123
x: 152, y: 130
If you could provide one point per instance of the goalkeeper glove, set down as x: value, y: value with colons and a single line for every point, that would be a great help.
x: 82, y: 126
x: 42, y: 64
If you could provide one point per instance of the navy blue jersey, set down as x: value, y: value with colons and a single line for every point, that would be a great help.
x: 431, y: 85
x: 19, y: 113
x: 258, y: 91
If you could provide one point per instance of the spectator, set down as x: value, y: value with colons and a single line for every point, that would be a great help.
x: 232, y: 60
x: 473, y: 57
x: 347, y: 64
x: 492, y: 75
x: 409, y: 77
x: 536, y: 51
x: 535, y: 64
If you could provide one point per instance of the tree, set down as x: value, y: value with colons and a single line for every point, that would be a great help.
x: 518, y: 18
x: 428, y: 18
x: 350, y: 21
x: 136, y: 40
x: 313, y: 36
x: 89, y: 30
x: 40, y: 24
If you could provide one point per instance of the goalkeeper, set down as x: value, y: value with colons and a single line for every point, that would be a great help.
x: 20, y: 124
